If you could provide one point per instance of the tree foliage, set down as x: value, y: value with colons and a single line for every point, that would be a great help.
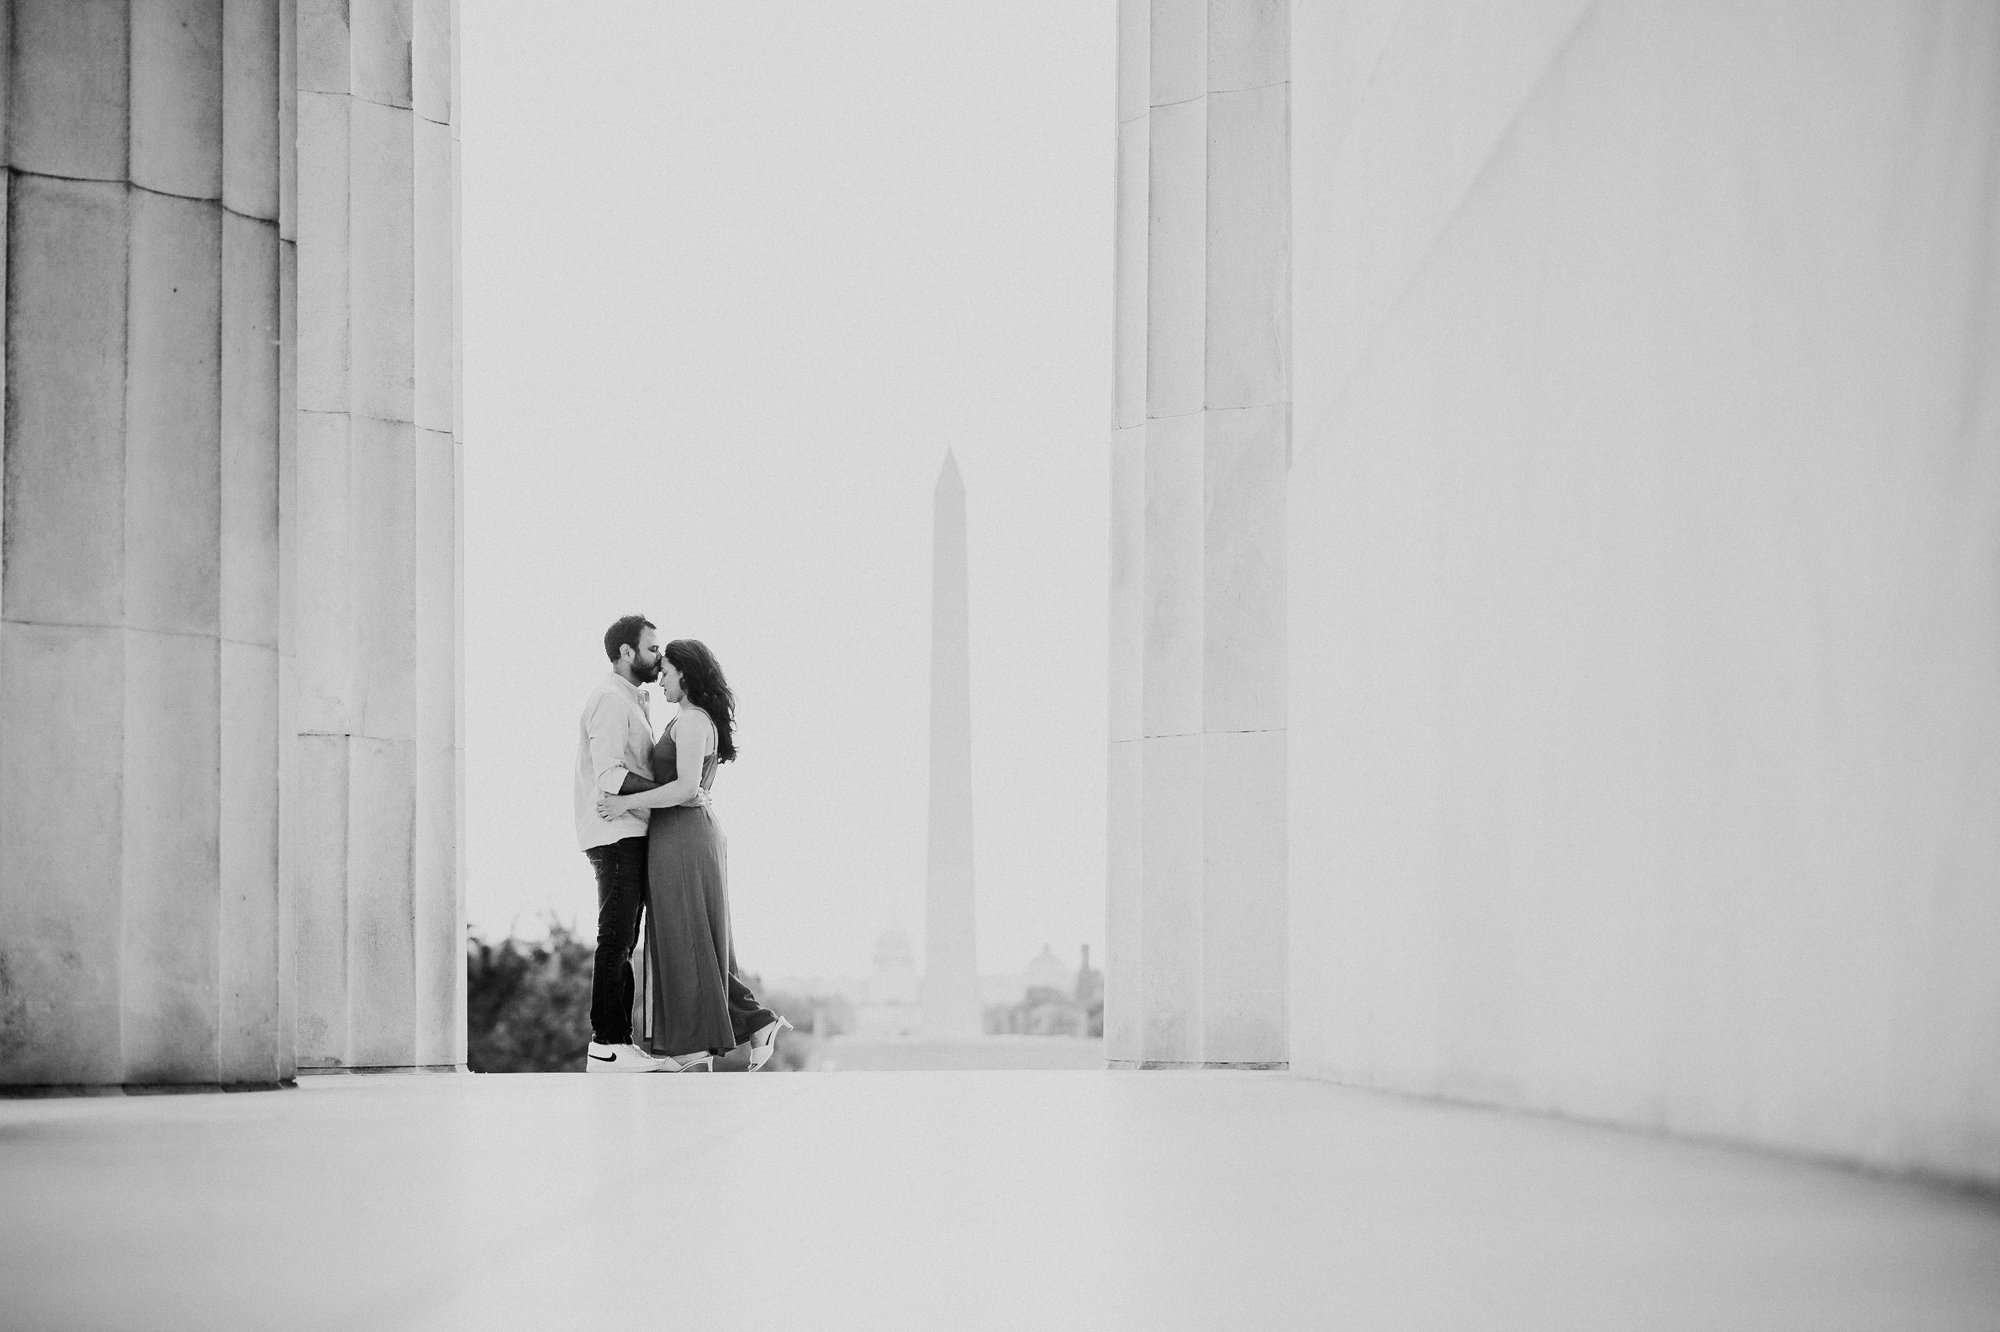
x: 527, y: 1003
x: 527, y: 1008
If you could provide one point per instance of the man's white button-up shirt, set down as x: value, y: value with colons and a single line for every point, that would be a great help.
x: 615, y: 738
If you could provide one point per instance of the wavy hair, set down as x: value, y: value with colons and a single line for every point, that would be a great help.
x: 703, y: 686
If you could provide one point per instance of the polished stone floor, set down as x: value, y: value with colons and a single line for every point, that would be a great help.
x: 940, y: 1201
x: 860, y: 1054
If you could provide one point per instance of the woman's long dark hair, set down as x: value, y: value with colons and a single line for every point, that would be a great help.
x: 703, y: 686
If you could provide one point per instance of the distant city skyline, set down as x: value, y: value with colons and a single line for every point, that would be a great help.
x: 865, y: 984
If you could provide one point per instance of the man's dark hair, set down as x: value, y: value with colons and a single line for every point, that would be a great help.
x: 624, y: 632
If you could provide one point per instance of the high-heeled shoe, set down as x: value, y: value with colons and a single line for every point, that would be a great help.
x: 700, y: 1061
x: 765, y: 1042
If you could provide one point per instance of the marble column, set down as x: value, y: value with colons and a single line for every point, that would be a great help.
x: 229, y: 610
x: 1195, y: 973
x: 374, y: 759
x: 951, y: 981
x: 141, y: 930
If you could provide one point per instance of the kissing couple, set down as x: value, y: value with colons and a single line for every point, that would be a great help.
x: 644, y: 818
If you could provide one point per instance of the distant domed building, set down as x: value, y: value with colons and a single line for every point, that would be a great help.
x: 1052, y: 998
x: 893, y: 1007
x: 1048, y: 972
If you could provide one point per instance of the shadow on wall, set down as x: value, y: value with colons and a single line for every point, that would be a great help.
x: 527, y: 1008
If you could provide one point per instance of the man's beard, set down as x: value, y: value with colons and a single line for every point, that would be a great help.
x: 648, y: 673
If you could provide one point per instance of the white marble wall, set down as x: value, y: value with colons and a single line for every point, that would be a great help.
x: 1644, y: 569
x: 375, y: 754
x: 163, y: 605
x: 1196, y: 937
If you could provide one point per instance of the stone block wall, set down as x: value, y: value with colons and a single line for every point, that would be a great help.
x: 179, y: 626
x: 1644, y: 566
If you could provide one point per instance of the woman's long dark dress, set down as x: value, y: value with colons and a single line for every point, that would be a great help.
x: 690, y: 997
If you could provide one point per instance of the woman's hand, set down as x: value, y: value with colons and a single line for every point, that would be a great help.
x: 611, y: 806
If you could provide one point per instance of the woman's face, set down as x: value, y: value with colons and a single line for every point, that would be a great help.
x: 669, y: 681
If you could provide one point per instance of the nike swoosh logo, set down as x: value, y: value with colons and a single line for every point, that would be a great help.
x: 609, y: 1059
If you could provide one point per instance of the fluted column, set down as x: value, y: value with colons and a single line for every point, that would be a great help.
x: 1196, y: 892
x: 374, y: 768
x: 140, y: 932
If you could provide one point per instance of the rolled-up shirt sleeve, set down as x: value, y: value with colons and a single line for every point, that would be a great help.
x: 607, y: 744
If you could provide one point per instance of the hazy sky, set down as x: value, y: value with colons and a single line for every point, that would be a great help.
x: 736, y: 275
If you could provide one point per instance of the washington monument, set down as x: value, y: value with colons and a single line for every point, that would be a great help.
x: 951, y: 984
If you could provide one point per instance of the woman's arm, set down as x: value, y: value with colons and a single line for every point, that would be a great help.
x: 692, y: 732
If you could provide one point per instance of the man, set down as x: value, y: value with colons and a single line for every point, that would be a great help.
x: 614, y: 754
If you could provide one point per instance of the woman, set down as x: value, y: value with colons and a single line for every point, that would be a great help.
x: 692, y: 1005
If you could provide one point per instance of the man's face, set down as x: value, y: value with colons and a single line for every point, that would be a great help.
x: 646, y: 664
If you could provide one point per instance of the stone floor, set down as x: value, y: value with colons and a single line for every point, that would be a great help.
x: 860, y: 1054
x: 940, y: 1201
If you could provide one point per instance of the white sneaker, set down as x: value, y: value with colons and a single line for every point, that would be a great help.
x: 627, y: 1058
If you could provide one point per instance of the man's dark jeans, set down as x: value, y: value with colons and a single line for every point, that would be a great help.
x: 621, y: 891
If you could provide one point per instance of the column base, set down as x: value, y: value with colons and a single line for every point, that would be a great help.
x: 33, y: 1091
